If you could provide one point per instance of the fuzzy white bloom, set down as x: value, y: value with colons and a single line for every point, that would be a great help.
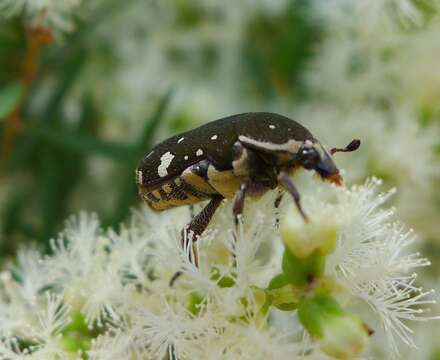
x: 49, y: 14
x: 118, y: 284
x: 395, y: 146
x: 370, y: 58
x: 373, y: 259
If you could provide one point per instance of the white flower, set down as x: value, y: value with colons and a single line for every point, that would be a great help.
x: 118, y: 282
x: 50, y: 14
x: 45, y: 321
x: 395, y: 146
x: 369, y: 57
x: 373, y: 258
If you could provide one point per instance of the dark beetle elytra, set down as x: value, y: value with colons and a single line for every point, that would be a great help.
x: 234, y: 157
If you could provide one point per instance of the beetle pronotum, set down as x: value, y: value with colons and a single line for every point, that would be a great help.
x: 231, y: 158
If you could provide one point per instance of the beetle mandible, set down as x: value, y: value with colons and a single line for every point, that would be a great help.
x: 232, y: 158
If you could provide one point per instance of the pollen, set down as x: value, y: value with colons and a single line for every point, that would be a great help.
x: 214, y: 137
x: 199, y: 152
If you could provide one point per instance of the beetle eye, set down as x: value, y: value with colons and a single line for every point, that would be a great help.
x: 308, y: 158
x: 305, y: 152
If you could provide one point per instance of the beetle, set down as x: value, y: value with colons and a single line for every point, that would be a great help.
x: 234, y: 157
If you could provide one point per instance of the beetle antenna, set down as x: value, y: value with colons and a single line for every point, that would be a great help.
x: 353, y: 146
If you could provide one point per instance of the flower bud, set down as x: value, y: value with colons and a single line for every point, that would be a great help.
x: 302, y: 239
x: 345, y: 337
x: 340, y: 334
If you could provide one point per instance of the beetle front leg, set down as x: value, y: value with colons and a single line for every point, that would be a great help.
x: 194, y: 229
x: 238, y: 205
x: 286, y: 182
x: 277, y: 204
x: 199, y: 223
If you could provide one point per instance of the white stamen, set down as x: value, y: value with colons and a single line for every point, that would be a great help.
x: 214, y: 137
x: 199, y: 152
x: 180, y: 140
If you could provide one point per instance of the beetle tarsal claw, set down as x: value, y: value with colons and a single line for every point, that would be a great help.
x: 353, y: 146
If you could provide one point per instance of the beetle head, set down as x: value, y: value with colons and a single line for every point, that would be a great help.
x: 313, y: 156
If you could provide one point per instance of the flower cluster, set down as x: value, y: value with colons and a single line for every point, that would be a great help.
x: 48, y: 14
x: 257, y: 293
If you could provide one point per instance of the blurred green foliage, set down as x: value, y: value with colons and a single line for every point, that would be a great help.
x: 276, y: 49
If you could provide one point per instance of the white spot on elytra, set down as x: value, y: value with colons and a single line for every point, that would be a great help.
x: 165, y: 161
x: 214, y: 137
x: 138, y: 177
x: 185, y: 157
x: 272, y: 126
x: 180, y: 140
x: 199, y: 152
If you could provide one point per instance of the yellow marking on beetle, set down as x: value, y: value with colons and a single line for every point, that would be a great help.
x: 167, y: 188
x: 240, y: 167
x: 197, y: 182
x: 156, y: 194
x: 174, y: 193
x: 225, y: 182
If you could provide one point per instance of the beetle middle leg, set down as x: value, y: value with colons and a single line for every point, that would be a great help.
x: 238, y: 205
x: 286, y: 182
x: 194, y: 229
x: 276, y: 205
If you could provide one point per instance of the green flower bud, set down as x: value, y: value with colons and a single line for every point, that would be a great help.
x: 345, y: 337
x: 340, y: 334
x: 303, y: 239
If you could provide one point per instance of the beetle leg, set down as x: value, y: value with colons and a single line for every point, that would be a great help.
x: 276, y: 204
x: 238, y: 205
x: 286, y: 182
x: 199, y: 223
x: 194, y: 229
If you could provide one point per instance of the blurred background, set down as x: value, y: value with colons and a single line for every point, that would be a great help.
x: 87, y: 88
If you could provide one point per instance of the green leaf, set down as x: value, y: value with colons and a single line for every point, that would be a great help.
x: 82, y: 143
x: 128, y: 193
x: 278, y: 281
x: 145, y: 141
x: 69, y: 73
x: 9, y: 97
